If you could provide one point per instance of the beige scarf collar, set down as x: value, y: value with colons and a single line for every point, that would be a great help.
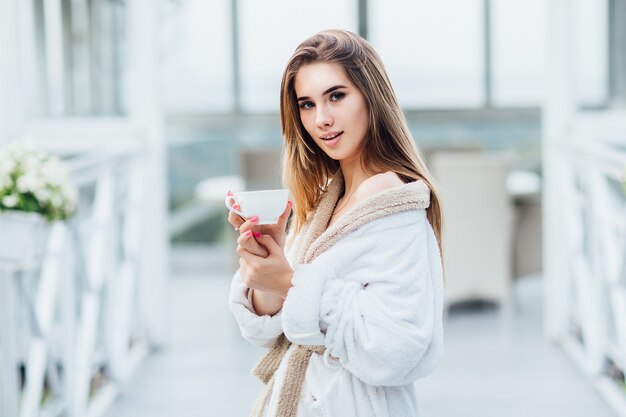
x: 315, y: 238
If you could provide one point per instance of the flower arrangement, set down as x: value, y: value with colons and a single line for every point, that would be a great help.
x: 34, y: 181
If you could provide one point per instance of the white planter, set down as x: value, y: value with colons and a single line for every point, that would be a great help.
x: 23, y: 236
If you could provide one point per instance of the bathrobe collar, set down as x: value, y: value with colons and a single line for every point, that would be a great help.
x: 317, y: 236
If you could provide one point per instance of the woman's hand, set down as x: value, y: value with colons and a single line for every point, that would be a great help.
x: 271, y: 274
x: 251, y: 245
x: 276, y: 231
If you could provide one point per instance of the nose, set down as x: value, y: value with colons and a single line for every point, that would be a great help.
x: 324, y: 117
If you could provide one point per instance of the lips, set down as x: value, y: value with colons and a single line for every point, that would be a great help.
x: 332, y: 139
x: 330, y: 136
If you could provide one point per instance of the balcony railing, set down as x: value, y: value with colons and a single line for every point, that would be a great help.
x: 73, y: 326
x: 592, y: 177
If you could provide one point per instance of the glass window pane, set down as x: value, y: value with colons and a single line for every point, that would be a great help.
x: 519, y: 41
x: 34, y: 85
x: 269, y: 33
x: 591, y: 51
x: 196, y: 71
x: 433, y: 51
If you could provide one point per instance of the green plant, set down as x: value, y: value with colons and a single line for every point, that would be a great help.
x: 34, y: 181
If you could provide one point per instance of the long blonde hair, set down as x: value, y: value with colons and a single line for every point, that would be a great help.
x: 388, y: 145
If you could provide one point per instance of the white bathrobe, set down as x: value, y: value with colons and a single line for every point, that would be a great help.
x: 370, y: 289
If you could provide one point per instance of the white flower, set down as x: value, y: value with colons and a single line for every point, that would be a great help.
x: 56, y: 201
x: 9, y: 201
x: 19, y: 149
x: 7, y: 165
x: 5, y: 181
x: 38, y: 173
x: 43, y: 195
x: 30, y: 162
x: 29, y: 182
x: 53, y: 171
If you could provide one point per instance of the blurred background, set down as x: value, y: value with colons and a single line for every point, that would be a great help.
x: 159, y: 107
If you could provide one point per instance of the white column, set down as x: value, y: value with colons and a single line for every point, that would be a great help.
x: 11, y: 110
x: 33, y: 84
x: 558, y: 109
x: 9, y: 390
x: 81, y: 56
x: 53, y: 22
x: 144, y: 109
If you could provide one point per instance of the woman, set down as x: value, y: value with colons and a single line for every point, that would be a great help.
x: 352, y: 309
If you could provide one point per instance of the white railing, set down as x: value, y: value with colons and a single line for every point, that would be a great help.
x: 584, y: 163
x: 73, y: 324
x: 591, y: 174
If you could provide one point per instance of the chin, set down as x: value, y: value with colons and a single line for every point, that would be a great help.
x: 336, y: 155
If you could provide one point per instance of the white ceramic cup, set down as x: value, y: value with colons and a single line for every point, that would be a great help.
x: 268, y: 205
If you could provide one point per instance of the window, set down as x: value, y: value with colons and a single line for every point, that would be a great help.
x: 519, y: 43
x: 269, y: 33
x: 433, y: 51
x: 591, y: 53
x: 197, y: 71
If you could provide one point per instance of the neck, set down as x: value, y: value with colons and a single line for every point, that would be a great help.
x: 353, y: 175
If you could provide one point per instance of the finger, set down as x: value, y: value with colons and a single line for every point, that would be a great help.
x: 251, y: 245
x: 247, y: 238
x: 245, y: 255
x: 245, y: 242
x: 235, y: 220
x: 285, y: 216
x: 238, y: 207
x: 249, y: 225
x: 243, y: 238
x: 270, y: 244
x: 231, y: 203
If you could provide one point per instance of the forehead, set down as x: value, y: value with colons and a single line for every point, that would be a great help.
x: 314, y: 79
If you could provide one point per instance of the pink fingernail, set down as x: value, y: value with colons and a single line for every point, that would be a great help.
x: 255, y: 234
x: 236, y: 207
x: 289, y: 202
x: 254, y: 219
x: 230, y: 193
x: 247, y: 233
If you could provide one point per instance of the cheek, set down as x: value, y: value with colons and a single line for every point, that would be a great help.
x: 364, y: 113
x: 361, y: 119
x: 307, y: 121
x: 356, y: 109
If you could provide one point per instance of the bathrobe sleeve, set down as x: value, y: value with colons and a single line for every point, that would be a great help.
x: 374, y: 299
x: 259, y: 330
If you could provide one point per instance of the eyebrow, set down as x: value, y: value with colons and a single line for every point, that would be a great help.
x: 330, y: 90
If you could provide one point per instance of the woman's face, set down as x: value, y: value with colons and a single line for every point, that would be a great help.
x: 332, y: 109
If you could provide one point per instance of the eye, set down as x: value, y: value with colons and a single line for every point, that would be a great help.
x: 306, y: 105
x: 336, y: 96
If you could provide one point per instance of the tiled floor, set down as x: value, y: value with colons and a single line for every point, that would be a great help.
x: 493, y: 366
